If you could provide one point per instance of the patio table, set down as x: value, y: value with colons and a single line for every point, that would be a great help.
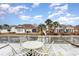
x: 32, y: 45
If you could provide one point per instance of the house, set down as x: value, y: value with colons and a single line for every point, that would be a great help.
x: 76, y: 29
x: 26, y: 28
x: 64, y: 29
x: 12, y: 30
x: 4, y: 31
x: 5, y: 28
x: 69, y: 29
x: 0, y: 30
x: 19, y: 29
x: 59, y: 29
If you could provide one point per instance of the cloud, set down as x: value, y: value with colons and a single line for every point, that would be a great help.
x: 35, y: 5
x: 4, y: 6
x: 17, y: 9
x: 7, y: 8
x: 2, y: 13
x: 27, y: 17
x: 58, y: 10
x: 55, y: 14
x: 64, y: 17
x: 54, y: 5
x: 62, y: 8
x: 49, y: 12
x: 38, y: 17
x: 68, y: 20
x: 24, y: 17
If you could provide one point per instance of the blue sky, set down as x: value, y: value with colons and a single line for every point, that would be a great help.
x: 36, y: 13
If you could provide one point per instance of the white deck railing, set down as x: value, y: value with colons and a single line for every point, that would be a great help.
x: 45, y: 39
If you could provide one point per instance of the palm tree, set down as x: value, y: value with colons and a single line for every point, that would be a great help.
x: 55, y: 24
x: 48, y: 21
x: 49, y: 24
x: 41, y: 27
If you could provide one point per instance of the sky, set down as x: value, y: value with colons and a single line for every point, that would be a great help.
x: 38, y: 13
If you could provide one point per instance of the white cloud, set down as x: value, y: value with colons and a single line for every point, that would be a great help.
x: 24, y: 17
x: 59, y: 10
x: 38, y: 17
x: 4, y: 6
x: 17, y: 9
x: 63, y: 20
x: 70, y: 15
x: 62, y: 8
x: 64, y: 17
x: 68, y: 20
x: 54, y: 4
x: 49, y: 12
x: 35, y: 5
x: 54, y: 14
x: 59, y: 6
x: 10, y: 9
x: 2, y: 13
x: 74, y: 18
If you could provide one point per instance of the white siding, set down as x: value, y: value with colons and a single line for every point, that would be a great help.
x: 13, y: 29
x: 20, y: 30
x: 30, y: 30
x: 0, y: 30
x: 4, y: 31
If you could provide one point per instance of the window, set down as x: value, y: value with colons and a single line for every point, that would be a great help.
x: 19, y: 30
x: 33, y: 30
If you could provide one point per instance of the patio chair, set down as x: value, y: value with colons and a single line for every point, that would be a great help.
x: 22, y: 51
x: 26, y: 53
x: 44, y: 51
x: 7, y: 50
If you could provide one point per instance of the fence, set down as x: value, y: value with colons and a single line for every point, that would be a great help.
x: 45, y: 39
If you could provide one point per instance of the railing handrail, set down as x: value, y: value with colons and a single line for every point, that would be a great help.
x: 40, y: 35
x: 4, y: 46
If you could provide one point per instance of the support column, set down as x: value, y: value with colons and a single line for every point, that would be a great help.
x: 72, y: 39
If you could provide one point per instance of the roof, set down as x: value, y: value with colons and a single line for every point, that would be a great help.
x: 26, y: 26
x: 76, y: 27
x: 70, y: 27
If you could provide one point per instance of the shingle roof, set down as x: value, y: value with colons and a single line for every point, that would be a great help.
x: 26, y: 26
x: 76, y: 27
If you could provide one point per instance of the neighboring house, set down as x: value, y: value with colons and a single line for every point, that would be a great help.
x: 19, y: 29
x: 13, y: 30
x: 59, y: 29
x: 5, y: 28
x: 64, y: 29
x: 4, y: 31
x: 0, y: 30
x: 76, y: 29
x: 26, y: 28
x: 69, y: 29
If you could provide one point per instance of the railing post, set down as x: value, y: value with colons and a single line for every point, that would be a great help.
x: 20, y: 42
x: 8, y: 40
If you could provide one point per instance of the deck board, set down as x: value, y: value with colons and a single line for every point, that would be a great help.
x: 56, y: 49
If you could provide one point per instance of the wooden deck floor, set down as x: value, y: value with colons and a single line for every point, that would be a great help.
x: 65, y: 50
x: 56, y: 49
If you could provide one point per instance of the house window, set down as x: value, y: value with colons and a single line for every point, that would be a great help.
x: 66, y: 30
x: 33, y: 30
x: 19, y: 30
